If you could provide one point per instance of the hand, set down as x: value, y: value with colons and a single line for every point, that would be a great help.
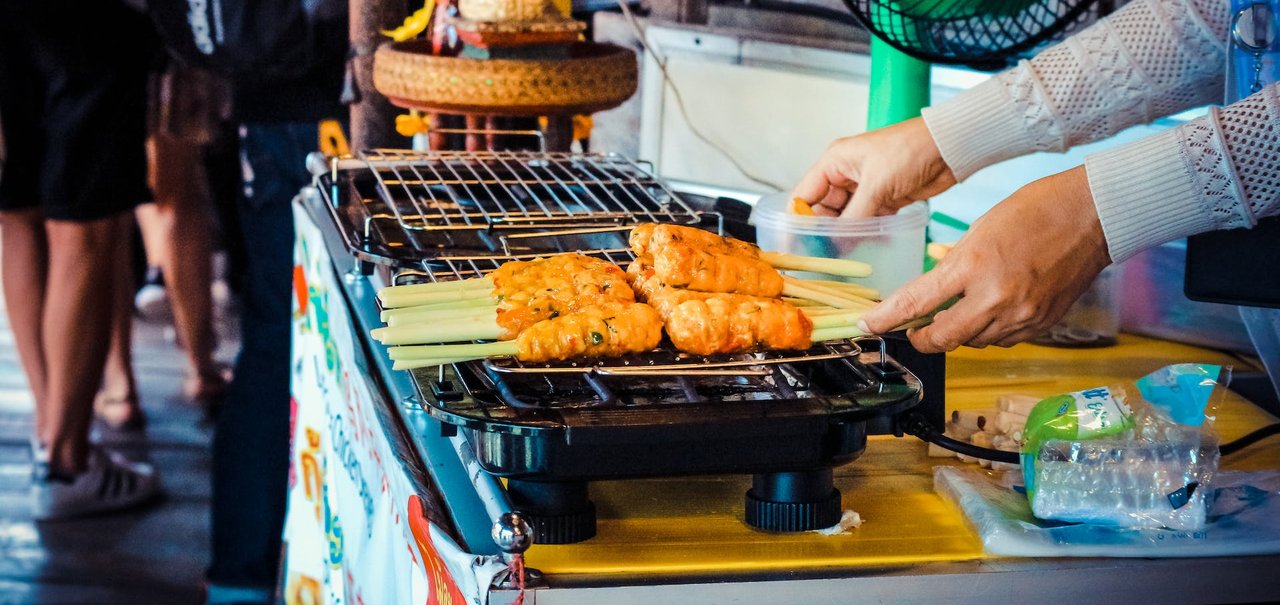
x: 1017, y: 270
x: 876, y: 173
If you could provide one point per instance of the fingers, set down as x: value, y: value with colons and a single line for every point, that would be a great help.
x: 815, y: 184
x: 916, y: 299
x: 956, y: 326
x: 862, y: 204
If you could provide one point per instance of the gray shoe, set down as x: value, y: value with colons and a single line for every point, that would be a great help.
x: 109, y: 483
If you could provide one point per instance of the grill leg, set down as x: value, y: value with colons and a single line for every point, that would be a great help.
x: 559, y: 511
x: 793, y: 501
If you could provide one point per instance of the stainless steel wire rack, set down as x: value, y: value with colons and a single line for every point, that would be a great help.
x: 401, y: 207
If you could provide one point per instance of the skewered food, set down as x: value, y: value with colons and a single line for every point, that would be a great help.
x: 682, y: 265
x: 705, y: 323
x: 514, y: 297
x: 651, y: 240
x: 608, y: 330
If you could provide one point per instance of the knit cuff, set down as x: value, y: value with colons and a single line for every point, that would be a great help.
x: 977, y: 128
x: 1145, y: 194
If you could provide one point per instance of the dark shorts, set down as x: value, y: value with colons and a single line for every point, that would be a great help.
x: 73, y: 104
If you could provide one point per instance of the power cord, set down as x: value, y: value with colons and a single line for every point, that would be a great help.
x: 666, y: 77
x: 915, y: 424
x: 1227, y: 449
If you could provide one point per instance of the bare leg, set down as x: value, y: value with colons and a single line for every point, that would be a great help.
x: 23, y: 267
x: 185, y: 254
x: 117, y: 401
x: 76, y: 330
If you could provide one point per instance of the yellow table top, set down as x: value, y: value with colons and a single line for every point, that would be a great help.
x: 692, y: 526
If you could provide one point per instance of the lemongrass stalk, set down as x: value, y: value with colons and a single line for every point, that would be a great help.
x: 429, y: 363
x: 796, y: 289
x: 856, y: 289
x: 820, y: 310
x: 392, y: 299
x: 836, y: 333
x: 453, y: 304
x: 852, y: 298
x: 847, y: 332
x: 433, y: 315
x: 472, y: 351
x: 479, y: 283
x: 426, y: 333
x: 800, y: 302
x: 830, y: 266
x: 838, y: 320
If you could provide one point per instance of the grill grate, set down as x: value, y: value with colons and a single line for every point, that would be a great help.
x: 416, y: 205
x: 662, y: 362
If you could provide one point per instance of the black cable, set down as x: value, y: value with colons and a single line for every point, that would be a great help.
x: 915, y: 424
x: 1230, y: 448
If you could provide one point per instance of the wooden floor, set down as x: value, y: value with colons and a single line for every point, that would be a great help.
x: 153, y: 556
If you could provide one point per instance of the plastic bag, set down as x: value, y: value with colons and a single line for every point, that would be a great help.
x: 1101, y: 457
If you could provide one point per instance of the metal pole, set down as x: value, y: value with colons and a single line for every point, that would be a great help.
x: 372, y: 116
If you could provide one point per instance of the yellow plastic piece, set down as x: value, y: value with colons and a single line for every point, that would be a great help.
x: 412, y: 123
x: 565, y: 7
x: 692, y: 526
x: 414, y: 24
x: 937, y: 250
x: 582, y: 125
x: 333, y: 142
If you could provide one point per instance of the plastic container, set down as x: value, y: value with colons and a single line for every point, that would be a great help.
x: 893, y: 245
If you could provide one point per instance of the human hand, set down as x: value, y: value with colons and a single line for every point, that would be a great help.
x: 876, y: 173
x: 1017, y: 270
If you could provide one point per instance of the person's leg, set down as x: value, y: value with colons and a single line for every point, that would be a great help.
x: 185, y: 252
x: 23, y: 260
x: 76, y: 330
x: 117, y: 400
x: 251, y: 446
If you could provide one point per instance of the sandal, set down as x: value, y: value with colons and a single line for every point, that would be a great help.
x: 119, y: 413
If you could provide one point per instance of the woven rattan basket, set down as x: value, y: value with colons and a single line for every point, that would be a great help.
x: 594, y: 77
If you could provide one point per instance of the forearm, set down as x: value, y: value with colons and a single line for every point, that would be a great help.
x: 1149, y: 59
x: 1221, y: 171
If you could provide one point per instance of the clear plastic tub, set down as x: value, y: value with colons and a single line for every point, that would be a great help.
x: 893, y: 245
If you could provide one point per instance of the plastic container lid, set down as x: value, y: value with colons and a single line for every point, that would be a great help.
x: 772, y: 210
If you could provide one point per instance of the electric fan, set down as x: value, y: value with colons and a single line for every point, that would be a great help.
x: 979, y: 33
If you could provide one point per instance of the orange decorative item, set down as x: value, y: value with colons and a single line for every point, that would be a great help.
x: 443, y: 589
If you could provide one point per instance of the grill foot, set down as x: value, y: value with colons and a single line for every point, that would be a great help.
x: 793, y: 501
x: 558, y: 511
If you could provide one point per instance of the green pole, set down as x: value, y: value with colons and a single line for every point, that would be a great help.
x: 899, y: 85
x: 899, y: 90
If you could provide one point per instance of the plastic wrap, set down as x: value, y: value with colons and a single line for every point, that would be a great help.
x: 1102, y: 457
x: 1243, y: 519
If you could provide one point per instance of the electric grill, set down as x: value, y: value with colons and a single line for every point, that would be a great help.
x: 787, y: 418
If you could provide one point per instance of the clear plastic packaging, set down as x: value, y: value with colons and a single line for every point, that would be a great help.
x: 893, y: 245
x: 1101, y: 457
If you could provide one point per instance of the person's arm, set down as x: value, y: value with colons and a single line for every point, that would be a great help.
x: 1219, y: 171
x: 1149, y: 59
x: 1024, y: 262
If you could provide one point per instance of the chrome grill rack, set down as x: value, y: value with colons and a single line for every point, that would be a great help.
x: 399, y: 207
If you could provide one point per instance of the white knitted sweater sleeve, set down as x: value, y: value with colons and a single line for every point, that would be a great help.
x: 1149, y: 59
x: 1220, y: 171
